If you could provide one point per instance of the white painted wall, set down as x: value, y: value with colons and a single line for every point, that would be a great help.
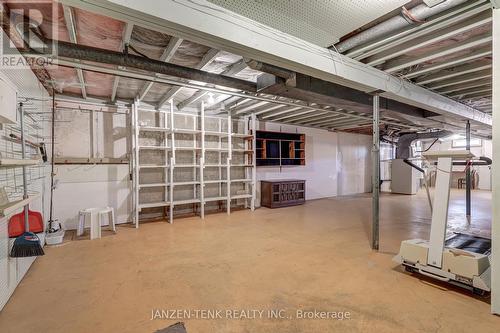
x: 354, y: 163
x: 26, y: 85
x: 336, y: 163
x: 81, y: 133
x: 88, y: 186
x: 484, y: 172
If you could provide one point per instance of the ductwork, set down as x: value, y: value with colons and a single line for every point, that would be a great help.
x: 406, y: 139
x: 306, y: 88
x: 285, y: 74
x: 87, y: 53
x: 407, y: 18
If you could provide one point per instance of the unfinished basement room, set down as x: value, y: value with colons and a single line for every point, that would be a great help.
x: 227, y: 166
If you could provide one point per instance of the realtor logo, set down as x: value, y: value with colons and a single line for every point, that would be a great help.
x: 25, y: 25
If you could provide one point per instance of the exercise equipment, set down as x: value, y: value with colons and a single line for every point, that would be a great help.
x: 460, y: 259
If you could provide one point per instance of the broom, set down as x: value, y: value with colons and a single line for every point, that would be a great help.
x: 28, y: 244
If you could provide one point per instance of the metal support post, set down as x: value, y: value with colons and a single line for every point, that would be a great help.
x: 202, y: 162
x: 467, y: 177
x: 135, y: 112
x: 375, y: 173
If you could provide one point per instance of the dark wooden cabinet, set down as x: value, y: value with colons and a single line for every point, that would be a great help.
x: 282, y: 193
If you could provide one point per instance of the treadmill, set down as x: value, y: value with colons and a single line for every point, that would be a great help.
x: 461, y: 259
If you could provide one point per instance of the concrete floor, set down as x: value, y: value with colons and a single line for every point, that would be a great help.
x: 311, y: 257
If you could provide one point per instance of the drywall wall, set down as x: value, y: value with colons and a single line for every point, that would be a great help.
x: 337, y: 163
x: 354, y: 163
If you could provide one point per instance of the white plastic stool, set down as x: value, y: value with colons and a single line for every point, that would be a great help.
x: 96, y: 216
x: 110, y: 212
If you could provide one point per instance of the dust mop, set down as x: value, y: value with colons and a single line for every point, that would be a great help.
x: 28, y: 244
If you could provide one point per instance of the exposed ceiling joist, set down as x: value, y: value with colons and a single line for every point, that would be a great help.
x: 290, y: 113
x: 270, y: 109
x: 483, y: 94
x: 312, y: 121
x: 472, y: 84
x: 436, y: 36
x: 127, y: 34
x: 206, y: 60
x: 352, y: 126
x: 167, y: 55
x: 283, y: 110
x: 454, y: 72
x: 229, y: 71
x: 302, y: 116
x: 204, y: 23
x: 324, y: 120
x: 405, y: 62
x: 69, y: 18
x: 439, y: 21
x: 294, y: 110
x: 464, y: 93
x: 237, y: 95
x: 474, y: 55
x: 235, y: 68
x: 193, y: 98
x: 250, y: 108
x: 168, y: 96
x: 461, y: 78
x: 347, y: 122
x: 338, y: 120
x: 237, y: 102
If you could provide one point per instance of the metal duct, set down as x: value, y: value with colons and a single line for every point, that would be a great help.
x: 87, y: 53
x: 405, y: 140
x: 418, y: 13
x: 313, y: 90
x: 289, y: 76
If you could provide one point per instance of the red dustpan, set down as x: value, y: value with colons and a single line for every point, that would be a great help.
x: 17, y: 227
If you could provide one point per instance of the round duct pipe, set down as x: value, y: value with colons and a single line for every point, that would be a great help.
x: 417, y: 13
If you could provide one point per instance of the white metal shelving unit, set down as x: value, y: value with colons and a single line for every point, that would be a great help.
x: 172, y: 148
x: 137, y: 166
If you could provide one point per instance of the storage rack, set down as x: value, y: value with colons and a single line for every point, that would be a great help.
x: 280, y: 149
x: 231, y: 160
x: 10, y: 159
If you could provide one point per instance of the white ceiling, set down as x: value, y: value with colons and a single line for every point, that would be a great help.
x: 321, y: 22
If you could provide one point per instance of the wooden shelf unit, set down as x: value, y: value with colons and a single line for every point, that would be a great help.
x: 280, y: 149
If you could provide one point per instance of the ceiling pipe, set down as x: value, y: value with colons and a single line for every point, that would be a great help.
x: 88, y: 53
x: 406, y: 18
x: 288, y: 76
x: 405, y: 140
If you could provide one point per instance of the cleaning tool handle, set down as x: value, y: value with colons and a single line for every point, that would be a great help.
x: 23, y: 155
